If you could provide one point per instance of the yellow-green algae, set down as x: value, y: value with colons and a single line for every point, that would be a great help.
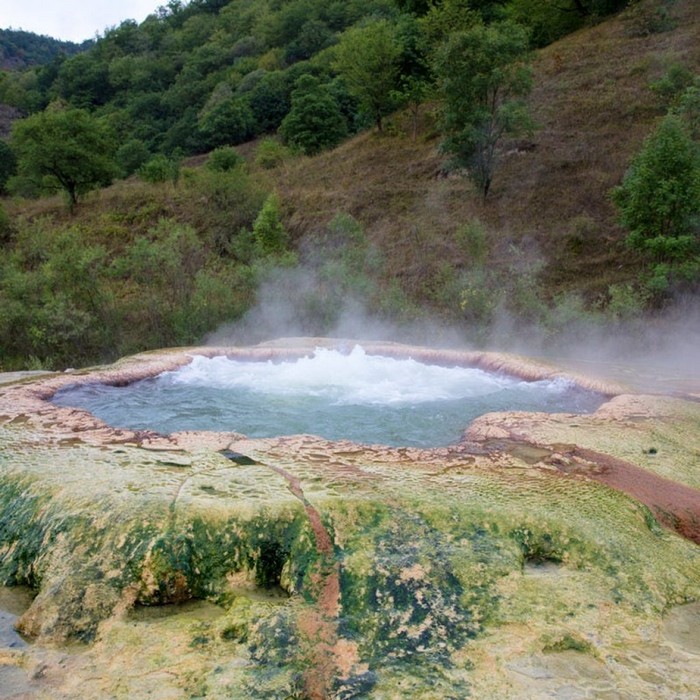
x: 485, y: 574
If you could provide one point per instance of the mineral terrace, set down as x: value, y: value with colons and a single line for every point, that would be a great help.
x: 543, y: 556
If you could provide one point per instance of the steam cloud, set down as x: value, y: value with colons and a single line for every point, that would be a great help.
x: 651, y: 350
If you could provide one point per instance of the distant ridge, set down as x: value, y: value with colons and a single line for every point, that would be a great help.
x: 20, y: 49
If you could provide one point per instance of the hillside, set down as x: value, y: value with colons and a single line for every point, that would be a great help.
x: 593, y: 105
x: 378, y: 224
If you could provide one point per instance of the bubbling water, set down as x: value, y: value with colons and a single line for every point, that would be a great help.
x: 355, y: 396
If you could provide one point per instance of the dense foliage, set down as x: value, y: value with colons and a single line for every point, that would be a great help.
x: 199, y: 75
x: 19, y: 49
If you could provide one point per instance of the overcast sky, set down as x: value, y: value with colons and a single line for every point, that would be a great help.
x: 72, y: 20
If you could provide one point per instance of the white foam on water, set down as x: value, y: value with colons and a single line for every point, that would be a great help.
x: 354, y: 378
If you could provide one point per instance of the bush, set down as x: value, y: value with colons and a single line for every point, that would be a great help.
x: 229, y: 123
x: 178, y: 290
x: 673, y: 83
x: 626, y: 301
x: 227, y: 202
x: 270, y: 235
x: 160, y: 168
x: 223, y: 159
x: 271, y: 153
x: 471, y: 239
x: 131, y: 155
x: 54, y: 305
x: 645, y: 19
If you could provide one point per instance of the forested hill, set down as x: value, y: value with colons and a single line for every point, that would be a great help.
x: 196, y: 75
x: 488, y: 164
x: 20, y: 49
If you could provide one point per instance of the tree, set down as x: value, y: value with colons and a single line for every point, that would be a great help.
x: 269, y: 233
x: 551, y: 19
x: 367, y: 58
x: 314, y: 121
x: 446, y: 17
x: 8, y: 164
x: 270, y: 100
x: 689, y: 109
x: 228, y: 123
x: 224, y: 159
x: 64, y: 149
x: 482, y: 76
x: 659, y: 198
x: 83, y: 80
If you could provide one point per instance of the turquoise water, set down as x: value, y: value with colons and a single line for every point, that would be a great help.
x: 365, y: 398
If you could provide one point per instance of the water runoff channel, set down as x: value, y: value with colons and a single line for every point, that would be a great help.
x: 366, y: 398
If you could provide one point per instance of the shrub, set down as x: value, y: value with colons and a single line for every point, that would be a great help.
x: 228, y: 123
x: 644, y: 19
x: 131, y: 155
x: 160, y: 168
x: 223, y: 159
x: 673, y: 83
x: 270, y: 235
x: 227, y: 202
x: 54, y: 305
x: 626, y: 301
x: 471, y: 239
x: 271, y: 153
x: 689, y: 109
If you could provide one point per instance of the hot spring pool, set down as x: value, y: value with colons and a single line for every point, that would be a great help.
x: 365, y: 398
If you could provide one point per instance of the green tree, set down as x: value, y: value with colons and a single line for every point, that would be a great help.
x: 268, y: 230
x: 83, y: 80
x: 228, y: 122
x: 160, y: 168
x: 314, y: 121
x: 659, y: 200
x: 64, y: 149
x: 367, y: 58
x: 483, y: 75
x: 223, y: 159
x: 131, y: 155
x: 689, y: 109
x: 551, y: 19
x: 449, y: 16
x: 8, y: 164
x: 270, y: 100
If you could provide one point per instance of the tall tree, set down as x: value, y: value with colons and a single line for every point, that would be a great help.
x: 659, y: 198
x: 483, y: 75
x: 64, y: 149
x: 315, y: 121
x: 367, y: 58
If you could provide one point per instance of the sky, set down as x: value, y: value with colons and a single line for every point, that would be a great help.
x: 72, y: 20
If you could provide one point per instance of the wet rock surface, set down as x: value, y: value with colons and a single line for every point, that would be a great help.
x: 169, y: 566
x: 682, y: 627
